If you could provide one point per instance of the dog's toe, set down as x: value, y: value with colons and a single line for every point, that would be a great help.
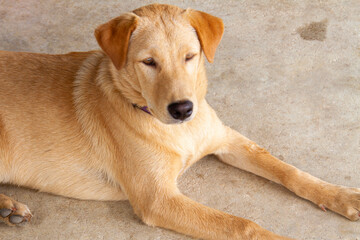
x: 345, y: 201
x: 13, y: 212
x: 16, y: 219
x: 5, y: 212
x: 22, y: 214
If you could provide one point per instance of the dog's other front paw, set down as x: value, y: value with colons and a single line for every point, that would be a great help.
x: 12, y: 212
x: 343, y: 200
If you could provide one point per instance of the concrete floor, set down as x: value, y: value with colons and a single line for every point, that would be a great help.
x: 287, y: 75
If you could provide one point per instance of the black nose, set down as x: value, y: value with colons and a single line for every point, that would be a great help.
x: 181, y: 110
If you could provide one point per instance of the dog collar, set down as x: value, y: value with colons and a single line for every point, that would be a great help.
x: 144, y: 108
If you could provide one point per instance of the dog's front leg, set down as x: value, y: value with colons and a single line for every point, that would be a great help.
x: 240, y: 152
x: 159, y: 203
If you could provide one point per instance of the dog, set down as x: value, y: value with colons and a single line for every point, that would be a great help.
x: 124, y: 122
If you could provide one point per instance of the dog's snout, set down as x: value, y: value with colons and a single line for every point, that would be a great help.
x: 181, y: 110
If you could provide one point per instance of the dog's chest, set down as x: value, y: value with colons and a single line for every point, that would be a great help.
x: 172, y: 148
x: 191, y: 144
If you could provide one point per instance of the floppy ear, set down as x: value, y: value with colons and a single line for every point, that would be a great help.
x: 113, y: 37
x: 209, y: 30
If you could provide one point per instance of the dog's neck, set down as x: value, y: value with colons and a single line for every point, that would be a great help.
x: 144, y: 108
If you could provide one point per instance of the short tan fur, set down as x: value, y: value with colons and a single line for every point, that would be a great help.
x: 68, y: 126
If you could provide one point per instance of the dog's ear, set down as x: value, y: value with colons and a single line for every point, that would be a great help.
x: 113, y: 37
x: 209, y: 30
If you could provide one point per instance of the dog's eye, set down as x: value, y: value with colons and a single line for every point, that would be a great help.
x: 189, y: 56
x: 149, y: 61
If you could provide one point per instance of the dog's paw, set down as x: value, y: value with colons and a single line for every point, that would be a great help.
x: 12, y: 212
x: 345, y: 201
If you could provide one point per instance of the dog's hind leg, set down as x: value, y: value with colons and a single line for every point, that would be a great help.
x: 4, y: 153
x: 11, y: 211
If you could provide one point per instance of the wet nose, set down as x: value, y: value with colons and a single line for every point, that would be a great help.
x: 181, y: 110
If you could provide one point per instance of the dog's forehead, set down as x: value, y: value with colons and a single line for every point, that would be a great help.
x: 161, y: 16
x: 159, y: 30
x: 158, y: 23
x: 156, y: 10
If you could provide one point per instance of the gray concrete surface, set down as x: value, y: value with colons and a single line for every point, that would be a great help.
x: 287, y: 75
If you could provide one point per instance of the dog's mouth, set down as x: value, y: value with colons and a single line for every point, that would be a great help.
x: 175, y: 121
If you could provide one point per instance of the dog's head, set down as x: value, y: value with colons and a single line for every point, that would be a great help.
x: 157, y: 51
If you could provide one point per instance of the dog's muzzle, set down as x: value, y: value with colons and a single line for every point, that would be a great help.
x: 181, y: 110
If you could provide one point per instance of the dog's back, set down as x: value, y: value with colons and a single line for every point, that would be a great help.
x: 38, y: 70
x: 32, y: 76
x: 36, y: 111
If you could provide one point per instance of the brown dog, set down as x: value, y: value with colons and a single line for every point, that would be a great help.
x: 125, y: 122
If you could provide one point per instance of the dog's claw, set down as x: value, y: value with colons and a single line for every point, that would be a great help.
x: 323, y: 207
